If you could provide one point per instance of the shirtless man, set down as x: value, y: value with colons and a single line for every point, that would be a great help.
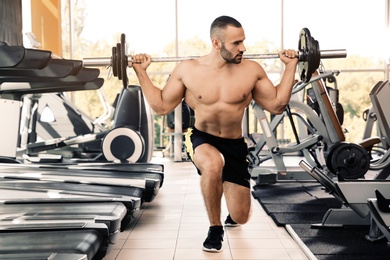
x: 218, y: 87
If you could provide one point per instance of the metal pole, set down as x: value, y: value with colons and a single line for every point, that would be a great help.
x: 387, y: 32
x: 71, y: 41
x: 282, y: 130
x: 177, y: 148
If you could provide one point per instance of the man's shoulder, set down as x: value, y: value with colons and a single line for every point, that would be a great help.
x: 188, y: 63
x: 191, y: 64
x: 249, y: 62
x: 252, y: 66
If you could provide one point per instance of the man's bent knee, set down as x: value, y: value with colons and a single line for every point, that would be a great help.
x: 241, y: 217
x: 208, y: 158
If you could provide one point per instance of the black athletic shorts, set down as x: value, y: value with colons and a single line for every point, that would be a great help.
x: 234, y: 151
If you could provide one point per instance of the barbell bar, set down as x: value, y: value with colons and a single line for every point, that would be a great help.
x: 309, y: 56
x: 107, y: 61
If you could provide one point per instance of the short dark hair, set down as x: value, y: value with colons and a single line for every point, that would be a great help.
x: 222, y: 22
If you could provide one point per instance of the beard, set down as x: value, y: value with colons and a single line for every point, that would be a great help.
x: 229, y: 57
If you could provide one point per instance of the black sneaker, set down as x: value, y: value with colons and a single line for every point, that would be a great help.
x: 229, y: 222
x: 213, y: 242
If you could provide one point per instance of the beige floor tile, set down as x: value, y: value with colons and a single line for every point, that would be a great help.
x: 260, y: 253
x: 194, y: 219
x: 112, y: 255
x: 241, y: 243
x: 124, y: 234
x: 150, y: 243
x: 252, y: 226
x: 289, y: 243
x: 190, y: 243
x: 145, y: 254
x: 160, y: 226
x: 242, y: 233
x: 196, y: 243
x: 140, y: 234
x: 198, y: 254
x: 201, y: 232
x: 119, y: 244
x: 196, y: 212
x: 194, y: 226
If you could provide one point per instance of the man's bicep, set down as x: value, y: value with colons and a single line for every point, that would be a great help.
x: 173, y: 92
x: 264, y: 93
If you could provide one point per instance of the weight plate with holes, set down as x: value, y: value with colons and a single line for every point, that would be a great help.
x: 310, y: 55
x: 348, y: 160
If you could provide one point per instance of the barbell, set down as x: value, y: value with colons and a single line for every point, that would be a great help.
x: 309, y: 56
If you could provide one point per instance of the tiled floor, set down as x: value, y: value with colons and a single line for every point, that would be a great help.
x: 174, y: 225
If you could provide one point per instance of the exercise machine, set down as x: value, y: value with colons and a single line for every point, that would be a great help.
x: 358, y: 208
x: 314, y: 132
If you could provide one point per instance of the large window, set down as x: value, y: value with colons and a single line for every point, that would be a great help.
x: 181, y: 27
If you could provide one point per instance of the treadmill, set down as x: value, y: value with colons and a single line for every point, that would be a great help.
x: 33, y: 192
x: 111, y: 214
x: 64, y: 75
x: 78, y: 235
x: 53, y: 237
x: 70, y: 245
x: 149, y: 183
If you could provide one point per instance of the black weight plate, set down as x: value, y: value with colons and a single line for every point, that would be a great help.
x: 114, y: 62
x: 311, y: 59
x: 303, y: 63
x: 330, y: 155
x: 349, y: 160
x: 317, y: 53
x: 119, y: 60
x: 310, y: 55
x: 124, y: 61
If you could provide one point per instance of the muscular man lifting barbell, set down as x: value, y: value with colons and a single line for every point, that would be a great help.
x: 218, y: 87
